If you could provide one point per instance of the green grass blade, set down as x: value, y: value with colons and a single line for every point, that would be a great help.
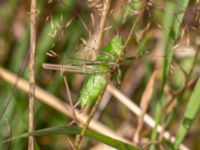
x: 46, y: 41
x: 191, y: 112
x: 71, y: 42
x: 172, y: 21
x: 171, y: 25
x: 72, y: 130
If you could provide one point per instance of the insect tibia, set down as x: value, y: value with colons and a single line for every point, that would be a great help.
x: 84, y: 69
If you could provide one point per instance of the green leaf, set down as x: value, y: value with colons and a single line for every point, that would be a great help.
x: 171, y: 25
x: 191, y: 112
x: 72, y: 130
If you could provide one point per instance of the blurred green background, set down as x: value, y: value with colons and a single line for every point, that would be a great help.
x: 166, y: 38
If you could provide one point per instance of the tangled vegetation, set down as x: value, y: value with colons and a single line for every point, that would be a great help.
x: 134, y: 66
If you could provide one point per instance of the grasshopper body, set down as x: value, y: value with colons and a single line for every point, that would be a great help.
x: 94, y: 85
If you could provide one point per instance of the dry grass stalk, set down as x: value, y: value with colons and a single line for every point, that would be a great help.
x: 136, y: 110
x: 32, y: 72
x: 144, y: 104
x: 99, y: 38
x: 70, y: 98
x: 57, y: 104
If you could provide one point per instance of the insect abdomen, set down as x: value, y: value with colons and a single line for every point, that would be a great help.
x: 92, y: 88
x: 95, y: 85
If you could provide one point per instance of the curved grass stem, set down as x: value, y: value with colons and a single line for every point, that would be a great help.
x: 79, y: 138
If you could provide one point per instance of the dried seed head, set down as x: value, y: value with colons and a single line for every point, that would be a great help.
x: 192, y: 17
x: 51, y: 53
x: 92, y: 18
x: 49, y: 1
x: 53, y: 35
x: 96, y: 4
x: 47, y: 19
x: 68, y: 23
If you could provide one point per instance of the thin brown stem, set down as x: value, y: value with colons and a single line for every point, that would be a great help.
x: 133, y: 28
x: 23, y: 65
x: 188, y: 77
x: 144, y: 104
x: 79, y: 138
x: 33, y: 15
x: 193, y: 64
x: 70, y: 143
x: 105, y: 13
x: 70, y: 98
